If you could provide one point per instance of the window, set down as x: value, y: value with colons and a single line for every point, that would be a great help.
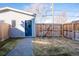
x: 13, y: 23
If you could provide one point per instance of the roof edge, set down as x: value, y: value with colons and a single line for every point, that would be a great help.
x: 20, y: 11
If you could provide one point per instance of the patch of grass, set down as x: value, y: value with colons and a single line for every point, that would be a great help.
x: 52, y: 51
x: 58, y: 51
x: 6, y: 46
x: 57, y: 47
x: 4, y: 42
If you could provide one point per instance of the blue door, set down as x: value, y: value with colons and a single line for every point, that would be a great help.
x: 28, y: 28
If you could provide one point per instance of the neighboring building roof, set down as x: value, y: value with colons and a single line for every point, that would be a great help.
x: 77, y: 21
x: 16, y: 10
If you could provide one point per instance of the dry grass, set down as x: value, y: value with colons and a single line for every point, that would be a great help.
x: 55, y: 46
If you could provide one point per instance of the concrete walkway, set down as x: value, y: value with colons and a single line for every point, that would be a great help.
x: 23, y: 48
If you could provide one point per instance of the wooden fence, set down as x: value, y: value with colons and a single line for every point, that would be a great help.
x: 76, y: 31
x: 68, y: 30
x: 71, y: 30
x: 4, y: 31
x: 48, y: 30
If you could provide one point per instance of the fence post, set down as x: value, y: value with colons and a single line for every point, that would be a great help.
x: 62, y: 31
x: 73, y: 31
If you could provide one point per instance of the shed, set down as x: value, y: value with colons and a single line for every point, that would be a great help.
x: 19, y: 23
